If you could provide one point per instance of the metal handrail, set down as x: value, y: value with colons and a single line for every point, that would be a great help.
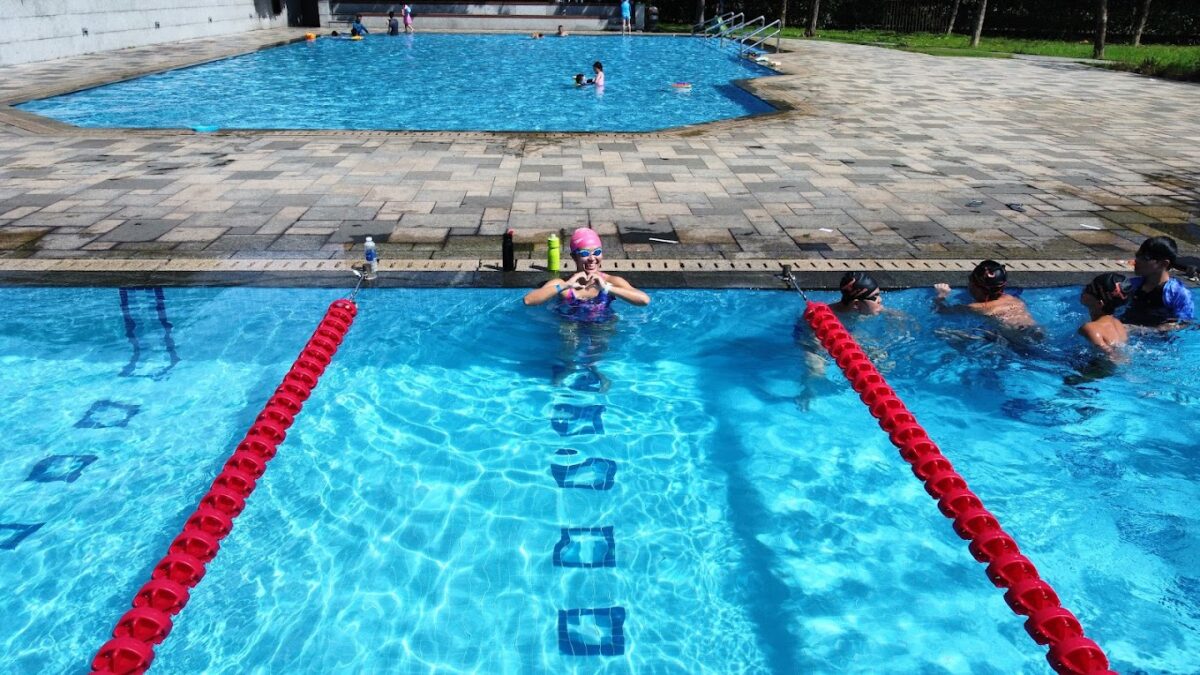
x: 703, y: 27
x: 725, y: 27
x: 775, y: 23
x: 729, y: 34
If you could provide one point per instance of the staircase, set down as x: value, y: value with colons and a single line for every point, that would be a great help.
x: 542, y: 16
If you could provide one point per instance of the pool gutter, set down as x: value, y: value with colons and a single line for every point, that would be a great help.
x: 458, y: 273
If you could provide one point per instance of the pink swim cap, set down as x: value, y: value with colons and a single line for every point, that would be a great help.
x: 585, y: 237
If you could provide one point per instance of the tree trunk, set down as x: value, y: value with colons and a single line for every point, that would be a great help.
x: 979, y: 23
x: 813, y: 18
x: 699, y: 12
x: 783, y: 15
x: 1101, y: 29
x: 1139, y: 23
x: 953, y: 17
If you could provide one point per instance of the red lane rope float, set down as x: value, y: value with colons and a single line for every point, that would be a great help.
x: 131, y: 649
x: 1047, y: 622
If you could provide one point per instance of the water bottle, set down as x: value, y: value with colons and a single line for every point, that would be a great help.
x: 372, y: 256
x: 509, y: 261
x: 552, y: 253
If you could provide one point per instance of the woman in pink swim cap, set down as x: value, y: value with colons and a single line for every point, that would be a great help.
x: 589, y: 290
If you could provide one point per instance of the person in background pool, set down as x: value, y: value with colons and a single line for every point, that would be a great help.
x: 986, y: 286
x: 598, y: 77
x: 561, y: 32
x: 1158, y: 300
x: 1102, y: 297
x: 535, y: 36
x: 586, y: 294
x: 358, y: 26
x: 579, y: 81
x: 625, y: 17
x: 393, y: 24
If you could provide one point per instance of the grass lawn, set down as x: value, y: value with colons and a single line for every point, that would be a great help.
x: 1175, y: 62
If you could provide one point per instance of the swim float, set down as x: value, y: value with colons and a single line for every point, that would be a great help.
x: 356, y: 37
x: 310, y: 36
x: 682, y: 86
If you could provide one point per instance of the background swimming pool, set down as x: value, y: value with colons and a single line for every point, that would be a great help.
x: 432, y: 82
x: 410, y: 520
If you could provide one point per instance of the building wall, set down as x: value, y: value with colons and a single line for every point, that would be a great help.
x: 40, y: 30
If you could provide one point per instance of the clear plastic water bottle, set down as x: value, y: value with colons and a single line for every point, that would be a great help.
x: 372, y: 256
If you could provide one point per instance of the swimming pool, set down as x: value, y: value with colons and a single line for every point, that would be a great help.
x: 432, y: 82
x: 414, y: 518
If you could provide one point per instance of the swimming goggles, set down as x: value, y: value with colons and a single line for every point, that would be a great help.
x: 586, y: 253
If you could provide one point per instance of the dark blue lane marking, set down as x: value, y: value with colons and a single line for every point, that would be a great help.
x: 591, y: 474
x: 160, y: 308
x: 18, y: 534
x: 105, y: 414
x: 588, y: 418
x: 586, y: 378
x: 569, y: 551
x: 608, y: 622
x: 64, y: 468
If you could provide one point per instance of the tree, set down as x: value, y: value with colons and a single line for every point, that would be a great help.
x: 813, y: 18
x: 699, y: 12
x: 782, y: 21
x: 1101, y: 29
x: 953, y: 17
x: 979, y: 23
x: 1139, y: 23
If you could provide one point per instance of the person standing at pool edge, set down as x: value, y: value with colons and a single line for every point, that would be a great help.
x: 625, y: 17
x: 393, y: 24
x: 408, y: 24
x: 358, y: 26
x: 589, y: 289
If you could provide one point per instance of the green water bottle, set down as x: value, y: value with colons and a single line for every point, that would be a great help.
x: 552, y: 254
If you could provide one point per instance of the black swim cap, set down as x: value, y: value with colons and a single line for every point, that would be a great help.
x: 857, y: 286
x: 991, y: 277
x: 1159, y: 248
x: 1111, y: 289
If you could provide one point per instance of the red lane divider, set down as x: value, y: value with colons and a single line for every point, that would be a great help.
x: 131, y: 649
x: 1047, y: 622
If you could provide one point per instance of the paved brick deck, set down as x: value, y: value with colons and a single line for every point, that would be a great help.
x: 885, y: 157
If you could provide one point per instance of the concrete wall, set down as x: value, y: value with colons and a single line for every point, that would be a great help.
x: 40, y: 30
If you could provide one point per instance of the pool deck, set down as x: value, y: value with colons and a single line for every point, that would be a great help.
x: 907, y: 164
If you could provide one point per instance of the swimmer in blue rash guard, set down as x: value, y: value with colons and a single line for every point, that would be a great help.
x: 1157, y: 299
x: 358, y: 25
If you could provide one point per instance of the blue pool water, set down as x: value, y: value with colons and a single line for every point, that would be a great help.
x: 432, y: 82
x: 415, y: 521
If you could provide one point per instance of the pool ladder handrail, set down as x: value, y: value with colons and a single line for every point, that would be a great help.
x: 722, y: 29
x: 774, y: 34
x: 716, y: 21
x: 733, y: 33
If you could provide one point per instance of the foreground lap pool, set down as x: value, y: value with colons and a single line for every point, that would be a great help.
x: 433, y: 82
x: 468, y: 470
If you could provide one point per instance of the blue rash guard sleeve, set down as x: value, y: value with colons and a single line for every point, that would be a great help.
x: 1179, y: 300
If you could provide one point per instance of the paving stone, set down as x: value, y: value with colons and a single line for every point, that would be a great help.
x: 140, y: 231
x: 357, y: 231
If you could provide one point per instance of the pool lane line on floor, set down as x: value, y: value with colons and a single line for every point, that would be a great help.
x: 149, y: 622
x: 1048, y: 622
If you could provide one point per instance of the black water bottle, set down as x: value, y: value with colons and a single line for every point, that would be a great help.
x: 509, y: 261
